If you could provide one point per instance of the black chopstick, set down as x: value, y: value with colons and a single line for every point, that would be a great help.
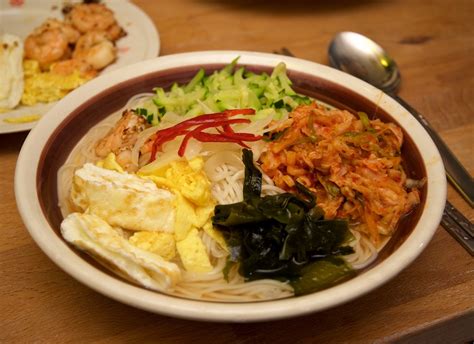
x: 458, y: 233
x: 466, y: 225
x: 459, y: 227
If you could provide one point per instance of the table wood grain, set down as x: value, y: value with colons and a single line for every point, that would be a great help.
x: 431, y: 301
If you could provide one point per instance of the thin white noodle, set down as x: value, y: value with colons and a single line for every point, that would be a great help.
x: 225, y: 170
x: 364, y: 254
x: 138, y: 100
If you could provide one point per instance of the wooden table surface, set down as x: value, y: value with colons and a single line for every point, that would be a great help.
x: 432, y: 300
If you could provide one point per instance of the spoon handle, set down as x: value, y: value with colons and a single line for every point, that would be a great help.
x: 457, y: 174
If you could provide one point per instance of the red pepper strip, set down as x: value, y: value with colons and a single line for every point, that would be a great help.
x: 240, y: 112
x: 220, y: 123
x: 206, y: 137
x: 212, y: 118
x: 168, y: 132
x: 209, y: 118
x: 228, y: 129
x: 163, y: 137
x: 240, y: 136
x: 189, y: 135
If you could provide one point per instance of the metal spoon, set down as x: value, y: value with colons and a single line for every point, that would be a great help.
x: 358, y: 55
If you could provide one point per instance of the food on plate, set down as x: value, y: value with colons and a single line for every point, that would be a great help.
x: 52, y: 85
x: 22, y: 119
x: 49, y: 43
x: 69, y: 32
x: 93, y: 17
x: 87, y: 34
x: 59, y: 55
x: 235, y: 188
x: 11, y: 69
x: 95, y: 49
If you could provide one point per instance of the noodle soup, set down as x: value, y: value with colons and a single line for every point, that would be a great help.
x: 161, y: 190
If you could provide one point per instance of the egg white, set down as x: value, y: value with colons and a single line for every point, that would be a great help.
x: 11, y: 71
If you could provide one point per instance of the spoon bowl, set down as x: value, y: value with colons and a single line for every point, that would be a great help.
x: 358, y: 55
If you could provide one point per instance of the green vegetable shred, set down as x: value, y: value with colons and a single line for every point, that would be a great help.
x: 230, y: 88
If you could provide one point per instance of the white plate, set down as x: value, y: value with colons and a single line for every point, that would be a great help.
x: 142, y: 41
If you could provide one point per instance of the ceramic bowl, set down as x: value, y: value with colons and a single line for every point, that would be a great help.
x: 51, y: 141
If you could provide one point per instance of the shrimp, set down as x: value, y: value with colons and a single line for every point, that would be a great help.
x: 121, y: 138
x: 95, y: 17
x: 67, y: 67
x: 71, y: 34
x: 95, y: 49
x: 46, y: 46
x: 148, y: 145
x: 115, y: 32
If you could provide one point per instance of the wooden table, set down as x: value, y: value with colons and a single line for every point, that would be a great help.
x: 433, y: 299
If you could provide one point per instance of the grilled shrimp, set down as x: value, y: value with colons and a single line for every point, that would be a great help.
x: 95, y: 49
x: 67, y: 67
x: 95, y: 17
x: 91, y: 17
x: 46, y: 46
x: 71, y: 34
x: 121, y: 138
x: 115, y: 32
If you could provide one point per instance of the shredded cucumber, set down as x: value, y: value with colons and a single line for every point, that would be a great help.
x: 229, y: 88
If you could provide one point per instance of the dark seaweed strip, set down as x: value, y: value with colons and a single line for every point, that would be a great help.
x: 253, y: 177
x: 281, y: 236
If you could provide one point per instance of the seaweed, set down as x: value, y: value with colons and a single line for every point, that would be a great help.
x: 280, y: 236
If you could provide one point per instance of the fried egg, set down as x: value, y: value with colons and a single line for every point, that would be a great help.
x: 92, y: 234
x: 11, y: 71
x: 122, y: 199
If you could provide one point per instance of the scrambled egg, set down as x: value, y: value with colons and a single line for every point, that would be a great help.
x: 22, y: 119
x: 122, y: 199
x: 194, y: 208
x: 187, y: 180
x: 193, y: 253
x: 91, y: 233
x: 11, y: 71
x: 160, y: 243
x: 185, y: 217
x: 47, y: 86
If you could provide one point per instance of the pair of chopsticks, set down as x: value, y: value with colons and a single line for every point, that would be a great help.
x: 453, y: 221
